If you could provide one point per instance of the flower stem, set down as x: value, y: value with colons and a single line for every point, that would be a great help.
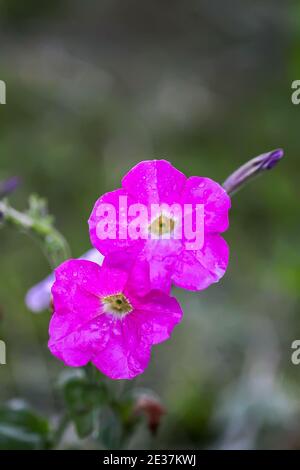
x: 59, y: 432
x: 55, y: 245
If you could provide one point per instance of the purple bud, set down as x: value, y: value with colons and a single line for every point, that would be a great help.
x: 8, y: 186
x: 253, y: 168
x: 272, y: 159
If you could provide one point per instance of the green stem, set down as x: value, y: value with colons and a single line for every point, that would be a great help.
x: 91, y: 373
x: 57, y: 249
x: 59, y: 432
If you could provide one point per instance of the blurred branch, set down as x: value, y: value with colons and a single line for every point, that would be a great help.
x: 252, y: 169
x: 38, y: 223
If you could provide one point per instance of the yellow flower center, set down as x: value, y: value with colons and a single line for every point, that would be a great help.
x: 162, y: 225
x: 116, y: 304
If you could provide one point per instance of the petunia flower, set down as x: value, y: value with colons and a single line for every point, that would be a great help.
x: 38, y: 298
x: 109, y: 317
x: 163, y: 242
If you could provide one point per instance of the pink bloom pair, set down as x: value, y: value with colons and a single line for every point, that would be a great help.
x: 112, y: 315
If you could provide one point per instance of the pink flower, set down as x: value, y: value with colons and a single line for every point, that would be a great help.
x: 38, y: 298
x: 171, y: 258
x: 108, y: 317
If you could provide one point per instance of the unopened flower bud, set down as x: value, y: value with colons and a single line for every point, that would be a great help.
x: 8, y: 186
x: 253, y: 168
x: 152, y: 408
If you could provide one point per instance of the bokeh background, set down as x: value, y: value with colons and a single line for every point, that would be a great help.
x: 93, y: 87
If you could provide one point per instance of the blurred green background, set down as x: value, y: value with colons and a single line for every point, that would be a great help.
x: 94, y: 87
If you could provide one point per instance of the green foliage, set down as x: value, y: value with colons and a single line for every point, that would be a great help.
x: 22, y: 428
x: 83, y: 400
x: 94, y: 408
x: 37, y: 222
x: 110, y: 432
x: 16, y: 12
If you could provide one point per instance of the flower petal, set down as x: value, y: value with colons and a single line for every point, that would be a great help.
x: 154, y: 181
x: 118, y: 221
x: 74, y: 341
x: 76, y: 288
x: 126, y: 353
x: 158, y: 314
x: 38, y: 298
x: 112, y: 281
x: 161, y: 256
x: 138, y: 282
x: 216, y: 202
x: 196, y: 270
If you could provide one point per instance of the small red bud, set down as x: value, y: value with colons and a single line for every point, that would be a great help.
x: 152, y: 408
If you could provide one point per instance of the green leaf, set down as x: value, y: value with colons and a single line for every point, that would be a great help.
x: 83, y: 400
x: 110, y: 433
x: 21, y: 428
x: 84, y: 423
x: 81, y: 396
